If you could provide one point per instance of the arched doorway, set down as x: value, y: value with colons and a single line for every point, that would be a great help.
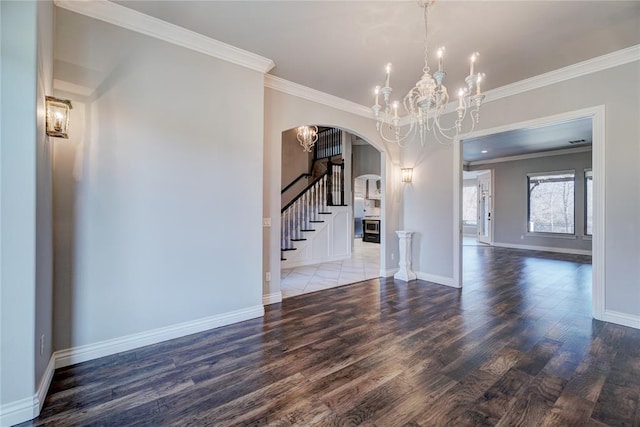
x: 312, y: 256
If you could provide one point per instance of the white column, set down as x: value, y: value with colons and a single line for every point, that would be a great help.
x: 405, y: 274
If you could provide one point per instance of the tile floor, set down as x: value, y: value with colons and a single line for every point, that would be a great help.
x: 364, y: 264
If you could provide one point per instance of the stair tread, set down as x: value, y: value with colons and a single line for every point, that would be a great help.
x: 289, y: 249
x: 316, y: 220
x: 297, y: 240
x: 311, y: 229
x: 325, y: 213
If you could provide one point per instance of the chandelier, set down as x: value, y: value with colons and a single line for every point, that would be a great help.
x: 307, y: 137
x: 426, y: 102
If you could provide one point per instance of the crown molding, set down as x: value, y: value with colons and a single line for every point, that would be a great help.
x: 124, y: 17
x: 133, y: 20
x: 532, y: 156
x: 300, y: 91
x: 593, y: 65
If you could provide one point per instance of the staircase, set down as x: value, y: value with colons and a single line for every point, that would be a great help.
x: 316, y: 223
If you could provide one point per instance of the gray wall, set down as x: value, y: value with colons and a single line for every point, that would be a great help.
x: 366, y: 160
x: 164, y: 222
x: 510, y: 199
x: 428, y: 207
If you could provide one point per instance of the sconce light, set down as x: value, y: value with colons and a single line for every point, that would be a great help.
x: 407, y: 174
x: 307, y: 137
x: 57, y: 118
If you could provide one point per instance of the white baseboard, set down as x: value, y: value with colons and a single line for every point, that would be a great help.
x: 19, y: 411
x: 440, y: 280
x: 543, y: 248
x: 623, y: 319
x: 272, y: 298
x: 45, y: 382
x: 106, y: 348
x: 28, y: 408
x: 388, y: 273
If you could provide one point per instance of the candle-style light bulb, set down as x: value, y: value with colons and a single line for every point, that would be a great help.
x: 478, y: 84
x: 461, y: 98
x: 395, y: 109
x: 57, y: 122
x: 388, y: 70
x: 440, y: 58
x: 376, y: 91
x: 474, y: 57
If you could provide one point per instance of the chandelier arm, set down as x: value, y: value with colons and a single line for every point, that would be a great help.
x: 398, y: 139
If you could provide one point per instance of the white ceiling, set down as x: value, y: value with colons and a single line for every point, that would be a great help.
x: 341, y: 47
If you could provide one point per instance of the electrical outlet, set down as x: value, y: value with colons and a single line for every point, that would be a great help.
x: 392, y: 255
x: 266, y: 222
x: 267, y: 276
x: 42, y: 345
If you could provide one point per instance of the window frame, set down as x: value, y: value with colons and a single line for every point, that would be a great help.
x: 528, y: 221
x: 475, y: 186
x: 588, y: 175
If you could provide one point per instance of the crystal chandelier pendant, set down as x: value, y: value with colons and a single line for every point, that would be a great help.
x: 428, y: 101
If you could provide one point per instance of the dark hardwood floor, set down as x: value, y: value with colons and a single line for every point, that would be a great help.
x: 516, y: 346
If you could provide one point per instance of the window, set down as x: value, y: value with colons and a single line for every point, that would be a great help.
x: 470, y: 204
x: 588, y: 200
x: 551, y: 202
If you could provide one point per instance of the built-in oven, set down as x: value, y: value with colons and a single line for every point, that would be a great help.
x: 371, y: 230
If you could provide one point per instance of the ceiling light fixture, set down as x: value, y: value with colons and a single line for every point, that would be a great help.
x: 307, y: 137
x: 426, y: 102
x: 484, y: 151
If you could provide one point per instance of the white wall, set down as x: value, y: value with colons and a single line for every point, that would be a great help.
x: 429, y: 207
x: 166, y: 214
x: 282, y: 112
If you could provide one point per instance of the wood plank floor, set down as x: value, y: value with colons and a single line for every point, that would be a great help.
x: 516, y: 346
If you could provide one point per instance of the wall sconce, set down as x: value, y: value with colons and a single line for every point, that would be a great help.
x: 407, y: 174
x: 307, y: 137
x: 57, y: 118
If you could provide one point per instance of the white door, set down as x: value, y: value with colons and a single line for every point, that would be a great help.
x: 485, y: 208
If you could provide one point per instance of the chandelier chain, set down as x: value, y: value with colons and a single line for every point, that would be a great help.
x: 425, y: 7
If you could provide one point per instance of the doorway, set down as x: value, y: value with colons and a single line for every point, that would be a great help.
x: 595, y: 119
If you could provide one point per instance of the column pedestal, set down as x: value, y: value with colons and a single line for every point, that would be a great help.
x: 405, y: 274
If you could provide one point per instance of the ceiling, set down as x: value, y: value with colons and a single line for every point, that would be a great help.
x: 530, y: 140
x: 341, y: 47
